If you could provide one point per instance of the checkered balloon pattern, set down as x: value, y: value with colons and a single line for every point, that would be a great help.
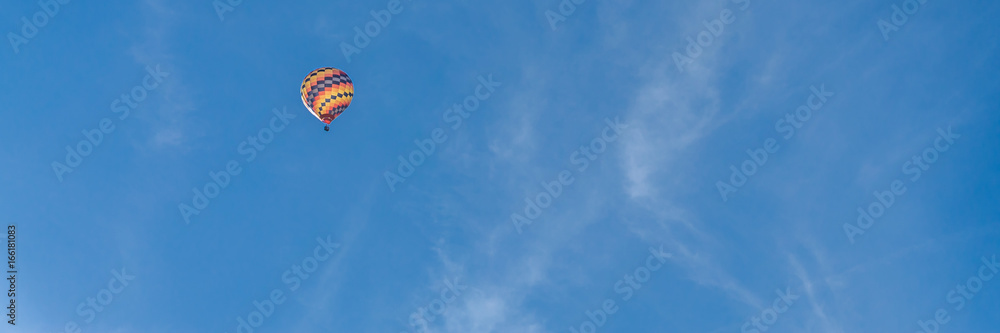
x: 327, y: 92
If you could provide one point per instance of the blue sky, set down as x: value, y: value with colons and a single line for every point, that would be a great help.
x: 444, y: 240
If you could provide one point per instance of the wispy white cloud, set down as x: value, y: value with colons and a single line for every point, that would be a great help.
x: 817, y: 305
x: 667, y: 117
x: 173, y: 98
x: 671, y: 112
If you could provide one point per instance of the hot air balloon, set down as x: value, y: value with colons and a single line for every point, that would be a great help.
x: 326, y: 93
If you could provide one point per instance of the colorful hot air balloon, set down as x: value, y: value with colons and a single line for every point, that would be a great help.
x: 327, y: 92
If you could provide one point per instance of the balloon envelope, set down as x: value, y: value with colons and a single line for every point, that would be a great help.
x: 327, y: 92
